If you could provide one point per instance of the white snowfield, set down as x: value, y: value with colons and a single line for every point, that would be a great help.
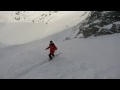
x: 92, y: 58
x: 23, y: 32
x: 80, y: 58
x: 36, y: 16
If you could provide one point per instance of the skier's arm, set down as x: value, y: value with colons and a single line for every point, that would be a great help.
x: 47, y: 47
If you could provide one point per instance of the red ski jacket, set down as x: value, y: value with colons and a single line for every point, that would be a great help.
x: 52, y: 49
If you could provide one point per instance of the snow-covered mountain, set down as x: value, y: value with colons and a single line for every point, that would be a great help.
x: 25, y: 31
x: 101, y: 23
x: 28, y: 16
x: 33, y: 16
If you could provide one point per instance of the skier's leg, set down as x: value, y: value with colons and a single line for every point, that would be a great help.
x: 53, y: 55
x: 50, y: 56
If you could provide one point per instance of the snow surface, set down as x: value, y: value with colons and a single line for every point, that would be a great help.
x: 3, y: 45
x: 91, y: 58
x: 96, y: 21
x: 118, y: 22
x: 108, y: 26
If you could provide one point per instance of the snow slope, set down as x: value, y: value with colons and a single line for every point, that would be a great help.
x: 33, y: 16
x: 3, y: 45
x: 18, y: 33
x: 91, y: 58
x: 23, y: 32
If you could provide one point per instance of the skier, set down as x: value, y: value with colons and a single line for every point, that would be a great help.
x: 52, y: 48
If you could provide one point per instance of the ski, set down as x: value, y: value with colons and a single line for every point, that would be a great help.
x: 54, y: 56
x: 47, y: 60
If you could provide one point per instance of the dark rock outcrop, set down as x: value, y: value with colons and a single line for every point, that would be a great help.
x: 101, y: 23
